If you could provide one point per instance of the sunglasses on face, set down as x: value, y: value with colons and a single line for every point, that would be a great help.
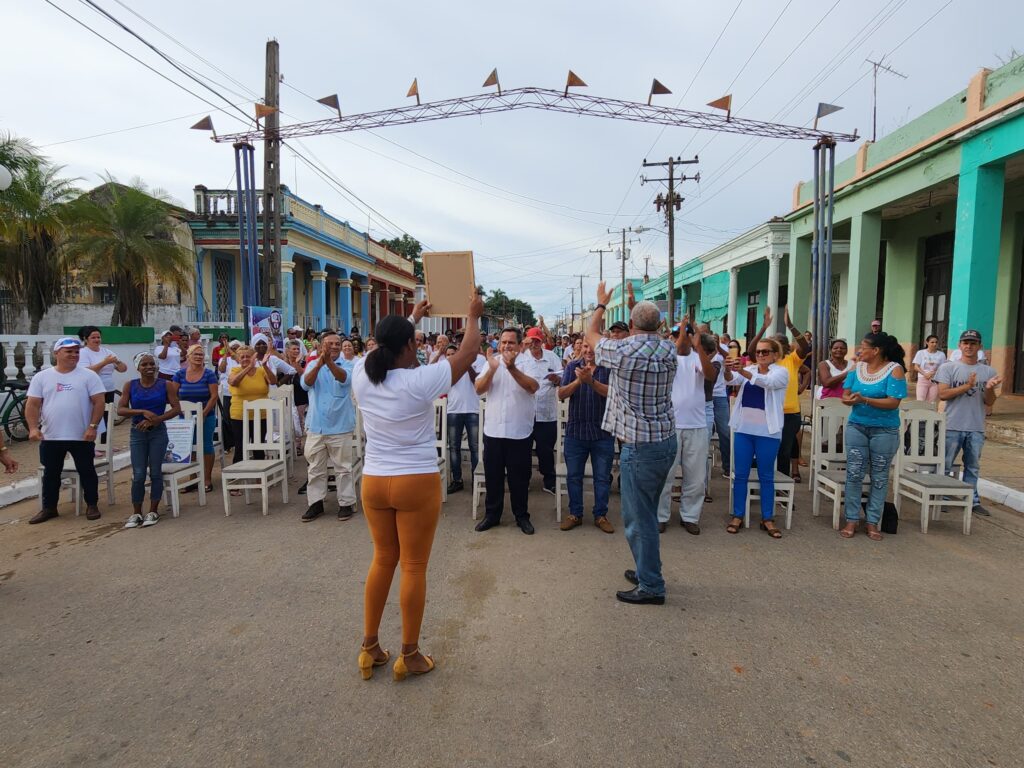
x: 764, y: 352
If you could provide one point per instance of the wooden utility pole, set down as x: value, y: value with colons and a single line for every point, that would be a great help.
x: 671, y: 203
x: 270, y: 259
x: 601, y: 252
x: 622, y: 255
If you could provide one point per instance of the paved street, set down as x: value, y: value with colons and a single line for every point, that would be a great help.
x: 209, y: 640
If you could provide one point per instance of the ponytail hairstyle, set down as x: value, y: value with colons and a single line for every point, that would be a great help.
x: 393, y: 334
x: 889, y: 346
x: 86, y: 331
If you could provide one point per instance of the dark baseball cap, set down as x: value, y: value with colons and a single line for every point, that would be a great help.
x: 618, y: 325
x: 970, y: 335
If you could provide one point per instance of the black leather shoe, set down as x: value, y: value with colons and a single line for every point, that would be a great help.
x: 486, y: 524
x: 638, y: 597
x: 315, y: 510
x: 631, y: 577
x: 346, y: 512
x: 455, y: 486
x: 302, y: 489
x: 526, y: 527
x: 691, y: 528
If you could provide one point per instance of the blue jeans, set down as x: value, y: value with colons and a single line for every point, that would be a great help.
x: 644, y: 468
x: 601, y: 452
x: 722, y: 425
x: 147, y: 452
x: 868, y: 449
x: 971, y: 444
x: 456, y: 423
x: 765, y: 450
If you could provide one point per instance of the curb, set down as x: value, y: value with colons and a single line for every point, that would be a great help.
x: 1001, y: 494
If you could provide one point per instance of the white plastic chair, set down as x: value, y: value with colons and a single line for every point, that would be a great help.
x: 479, y: 479
x: 828, y: 457
x: 178, y: 477
x: 920, y: 468
x: 441, y: 442
x: 561, y: 468
x: 285, y: 426
x: 258, y: 474
x: 104, y: 465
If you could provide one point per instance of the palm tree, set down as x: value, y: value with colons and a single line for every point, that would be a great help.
x: 123, y: 235
x: 33, y: 220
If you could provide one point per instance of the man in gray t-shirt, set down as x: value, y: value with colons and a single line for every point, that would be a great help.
x: 967, y: 387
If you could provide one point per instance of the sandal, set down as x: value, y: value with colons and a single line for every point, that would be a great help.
x: 774, y: 532
x: 707, y: 498
x: 367, y: 662
x: 848, y: 531
x: 208, y: 488
x: 872, y: 532
x: 400, y: 670
x: 734, y: 525
x: 796, y: 477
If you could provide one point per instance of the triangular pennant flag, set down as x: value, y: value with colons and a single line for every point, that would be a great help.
x: 332, y: 102
x: 573, y: 81
x: 262, y: 110
x: 492, y: 79
x: 206, y: 124
x: 826, y: 109
x: 414, y: 90
x: 657, y: 88
x: 724, y: 103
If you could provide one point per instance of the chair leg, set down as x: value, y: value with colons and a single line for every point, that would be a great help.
x: 202, y: 491
x: 815, y: 500
x: 175, y: 501
x: 558, y: 500
x: 265, y: 493
x: 925, y: 512
x: 968, y: 511
x: 110, y: 482
x: 835, y: 510
x: 284, y: 489
x: 227, y: 496
x: 76, y: 489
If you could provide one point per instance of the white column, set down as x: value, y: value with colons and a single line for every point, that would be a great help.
x: 734, y: 288
x: 773, y: 289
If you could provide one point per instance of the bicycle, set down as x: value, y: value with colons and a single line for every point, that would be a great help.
x: 13, y: 418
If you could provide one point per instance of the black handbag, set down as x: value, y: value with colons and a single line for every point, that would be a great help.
x: 890, y: 518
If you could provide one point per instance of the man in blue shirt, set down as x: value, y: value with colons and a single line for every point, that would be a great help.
x: 586, y: 386
x: 330, y: 420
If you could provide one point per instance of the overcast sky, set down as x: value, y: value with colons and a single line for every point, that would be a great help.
x: 529, y: 192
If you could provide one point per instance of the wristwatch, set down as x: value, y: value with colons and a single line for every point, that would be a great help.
x: 601, y: 306
x: 93, y: 426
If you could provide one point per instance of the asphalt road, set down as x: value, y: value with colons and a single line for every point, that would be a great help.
x: 232, y: 641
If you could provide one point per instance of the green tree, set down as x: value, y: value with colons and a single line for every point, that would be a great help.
x: 123, y: 235
x: 499, y: 304
x: 410, y: 248
x: 34, y: 219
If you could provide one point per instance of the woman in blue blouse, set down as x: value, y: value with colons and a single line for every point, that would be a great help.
x: 146, y: 400
x: 874, y: 389
x: 195, y: 383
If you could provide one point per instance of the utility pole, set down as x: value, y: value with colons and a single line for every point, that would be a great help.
x: 581, y: 299
x: 601, y: 252
x: 878, y: 65
x: 572, y: 308
x: 671, y: 203
x: 622, y: 255
x: 647, y: 264
x: 270, y: 263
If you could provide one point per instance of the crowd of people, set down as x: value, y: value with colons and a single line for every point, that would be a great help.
x: 657, y: 396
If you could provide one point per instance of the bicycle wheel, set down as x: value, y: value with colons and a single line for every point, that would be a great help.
x: 15, y: 426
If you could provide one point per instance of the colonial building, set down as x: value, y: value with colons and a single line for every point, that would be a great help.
x: 332, y: 275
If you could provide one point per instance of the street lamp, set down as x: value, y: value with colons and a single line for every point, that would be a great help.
x: 5, y: 178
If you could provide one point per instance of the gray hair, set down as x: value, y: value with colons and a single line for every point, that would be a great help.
x: 646, y: 316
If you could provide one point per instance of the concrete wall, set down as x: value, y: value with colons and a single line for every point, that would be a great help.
x: 53, y: 322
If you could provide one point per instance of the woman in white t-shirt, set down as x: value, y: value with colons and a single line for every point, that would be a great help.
x: 401, y: 483
x: 926, y: 363
x: 99, y: 359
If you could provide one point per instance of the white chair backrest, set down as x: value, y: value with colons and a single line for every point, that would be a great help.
x: 830, y: 417
x: 563, y: 418
x: 286, y: 393
x: 358, y: 438
x: 105, y: 440
x: 926, y: 446
x: 194, y: 411
x: 480, y: 430
x: 441, y: 425
x: 269, y: 411
x: 911, y: 405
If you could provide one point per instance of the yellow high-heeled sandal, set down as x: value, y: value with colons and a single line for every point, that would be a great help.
x: 367, y: 662
x: 401, y: 670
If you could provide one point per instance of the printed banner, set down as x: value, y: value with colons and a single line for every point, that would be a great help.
x: 180, y: 434
x: 268, y: 321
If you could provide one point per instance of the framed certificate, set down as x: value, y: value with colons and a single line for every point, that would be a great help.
x: 450, y: 281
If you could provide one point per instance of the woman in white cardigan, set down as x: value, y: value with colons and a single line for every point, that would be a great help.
x: 756, y: 425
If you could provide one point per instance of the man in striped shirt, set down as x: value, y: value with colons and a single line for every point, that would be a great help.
x: 639, y: 413
x: 586, y: 386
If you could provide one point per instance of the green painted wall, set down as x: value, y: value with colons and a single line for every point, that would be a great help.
x: 920, y: 129
x: 118, y: 334
x: 1004, y: 82
x: 753, y: 277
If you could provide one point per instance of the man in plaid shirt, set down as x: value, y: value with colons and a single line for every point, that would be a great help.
x: 639, y: 413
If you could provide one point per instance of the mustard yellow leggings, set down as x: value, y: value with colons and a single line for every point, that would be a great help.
x: 402, y: 514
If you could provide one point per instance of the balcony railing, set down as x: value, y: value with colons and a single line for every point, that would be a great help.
x: 222, y: 202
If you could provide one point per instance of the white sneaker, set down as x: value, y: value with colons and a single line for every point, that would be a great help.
x: 151, y: 519
x: 134, y: 521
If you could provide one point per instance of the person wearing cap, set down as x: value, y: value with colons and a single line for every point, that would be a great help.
x: 618, y: 330
x: 639, y: 413
x: 543, y: 367
x: 876, y: 325
x: 64, y: 408
x: 267, y: 355
x: 168, y: 353
x: 508, y: 430
x: 223, y: 348
x: 967, y: 387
